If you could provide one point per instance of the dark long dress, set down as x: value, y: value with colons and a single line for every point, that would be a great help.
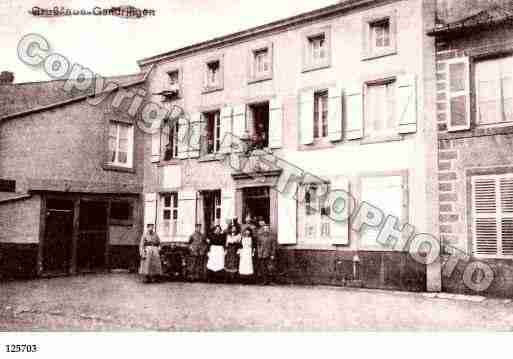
x: 231, y: 261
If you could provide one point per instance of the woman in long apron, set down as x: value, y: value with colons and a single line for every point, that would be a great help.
x: 215, y: 264
x: 246, y: 253
x: 231, y: 261
x: 149, y: 250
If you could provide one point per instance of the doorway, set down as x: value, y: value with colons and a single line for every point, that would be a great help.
x: 58, y: 236
x: 256, y: 203
x: 211, y: 203
x: 92, y: 237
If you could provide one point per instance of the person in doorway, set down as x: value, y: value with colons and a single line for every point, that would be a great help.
x: 215, y: 264
x: 266, y: 254
x: 246, y: 253
x: 149, y: 250
x: 231, y: 261
x: 250, y: 223
x: 198, y: 249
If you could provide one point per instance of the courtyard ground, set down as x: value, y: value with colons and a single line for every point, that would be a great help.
x: 122, y: 302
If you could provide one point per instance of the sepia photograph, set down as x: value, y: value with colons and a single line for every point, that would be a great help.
x: 242, y: 166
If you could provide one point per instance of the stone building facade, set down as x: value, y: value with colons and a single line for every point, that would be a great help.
x: 342, y: 97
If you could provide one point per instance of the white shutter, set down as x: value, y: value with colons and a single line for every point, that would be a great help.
x: 182, y: 138
x: 150, y: 208
x: 226, y: 129
x: 275, y: 123
x: 155, y: 146
x: 186, y: 213
x: 306, y: 117
x: 339, y: 224
x: 195, y: 129
x: 335, y: 113
x: 227, y: 205
x: 458, y: 99
x: 287, y: 218
x: 407, y: 103
x: 239, y: 127
x: 354, y: 111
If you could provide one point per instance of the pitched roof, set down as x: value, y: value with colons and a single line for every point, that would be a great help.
x: 492, y: 15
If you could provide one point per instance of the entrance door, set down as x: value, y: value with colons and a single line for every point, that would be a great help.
x: 256, y: 202
x: 92, y: 238
x: 211, y: 209
x: 58, y: 236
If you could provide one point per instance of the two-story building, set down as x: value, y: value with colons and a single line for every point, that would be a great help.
x: 474, y: 73
x: 340, y: 98
x: 71, y: 176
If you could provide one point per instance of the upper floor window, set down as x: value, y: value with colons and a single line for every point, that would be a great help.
x: 380, y: 116
x: 212, y: 137
x: 379, y: 36
x: 121, y: 142
x: 317, y: 49
x: 258, y: 125
x: 213, y: 73
x: 320, y: 129
x: 494, y: 91
x: 174, y: 77
x: 262, y: 65
x: 170, y: 140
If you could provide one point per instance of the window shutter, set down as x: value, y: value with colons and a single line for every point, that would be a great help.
x: 486, y: 229
x: 335, y: 113
x: 306, y: 114
x: 354, y: 111
x: 275, y: 123
x: 407, y: 104
x: 239, y: 127
x: 182, y: 138
x: 339, y: 229
x: 227, y: 206
x: 287, y: 214
x: 195, y: 129
x: 506, y: 194
x: 155, y: 146
x: 226, y: 129
x: 150, y: 208
x: 186, y: 213
x: 458, y: 105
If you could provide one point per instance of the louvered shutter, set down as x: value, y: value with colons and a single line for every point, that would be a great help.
x: 155, y: 146
x: 407, y: 104
x: 287, y: 218
x: 493, y: 215
x: 182, y: 138
x: 306, y: 117
x: 239, y: 127
x: 186, y: 213
x: 227, y: 205
x: 275, y: 123
x: 195, y: 129
x: 339, y: 211
x: 150, y: 208
x: 335, y: 113
x: 226, y: 129
x: 354, y: 111
x: 458, y: 98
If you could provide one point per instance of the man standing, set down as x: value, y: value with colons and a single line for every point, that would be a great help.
x: 198, y: 249
x: 266, y: 253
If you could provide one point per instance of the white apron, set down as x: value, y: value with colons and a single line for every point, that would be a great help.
x: 246, y: 257
x: 215, y: 258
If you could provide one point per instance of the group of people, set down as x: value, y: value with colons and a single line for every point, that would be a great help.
x: 244, y: 253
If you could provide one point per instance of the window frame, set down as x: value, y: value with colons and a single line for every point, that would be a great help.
x: 207, y: 87
x: 253, y: 75
x: 319, y: 239
x: 391, y: 132
x: 309, y: 64
x: 129, y: 165
x: 369, y: 51
x: 174, y: 213
x: 216, y: 132
x: 179, y: 82
x: 122, y: 222
x: 465, y: 92
x: 319, y: 120
x: 174, y: 154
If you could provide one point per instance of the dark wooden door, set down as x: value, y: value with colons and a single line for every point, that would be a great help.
x: 58, y: 238
x: 92, y: 237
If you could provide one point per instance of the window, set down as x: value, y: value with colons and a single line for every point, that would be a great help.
x: 120, y: 144
x: 317, y: 49
x: 170, y: 138
x: 213, y: 74
x: 387, y: 194
x: 262, y: 65
x: 168, y: 214
x: 380, y: 109
x: 258, y: 125
x: 121, y: 213
x: 320, y: 129
x: 380, y: 35
x: 314, y: 213
x: 174, y: 77
x: 492, y: 208
x: 212, y: 138
x: 494, y: 91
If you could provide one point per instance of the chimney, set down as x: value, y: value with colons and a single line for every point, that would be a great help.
x: 6, y: 77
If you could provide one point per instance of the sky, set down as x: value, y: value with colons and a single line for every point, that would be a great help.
x: 111, y: 45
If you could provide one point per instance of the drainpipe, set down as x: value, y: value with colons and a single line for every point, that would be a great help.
x: 356, y: 267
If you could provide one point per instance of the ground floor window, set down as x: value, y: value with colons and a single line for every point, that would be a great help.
x: 256, y: 204
x: 313, y: 213
x: 492, y: 209
x: 168, y: 214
